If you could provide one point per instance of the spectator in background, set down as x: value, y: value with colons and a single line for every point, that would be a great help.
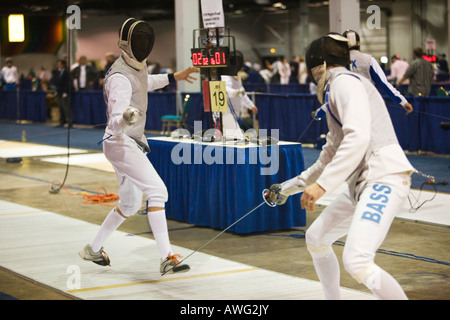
x: 302, y: 72
x: 110, y: 59
x: 420, y: 74
x: 84, y: 75
x: 62, y: 93
x: 442, y: 65
x: 284, y: 69
x: 44, y: 74
x: 294, y: 69
x: 398, y: 69
x: 2, y: 80
x: 156, y: 68
x: 10, y: 75
x: 275, y: 71
x: 265, y: 72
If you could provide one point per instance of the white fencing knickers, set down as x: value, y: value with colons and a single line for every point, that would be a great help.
x: 135, y: 174
x: 366, y: 226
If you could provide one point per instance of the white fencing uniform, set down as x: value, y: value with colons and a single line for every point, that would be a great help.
x: 366, y: 65
x: 126, y: 87
x: 363, y: 150
x: 124, y: 146
x: 238, y: 101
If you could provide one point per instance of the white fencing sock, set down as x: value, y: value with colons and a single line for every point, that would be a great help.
x: 109, y: 225
x: 328, y: 271
x: 158, y: 224
x: 384, y: 286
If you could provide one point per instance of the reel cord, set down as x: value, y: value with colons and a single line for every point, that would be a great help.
x: 53, y: 188
x: 89, y: 197
x: 431, y: 181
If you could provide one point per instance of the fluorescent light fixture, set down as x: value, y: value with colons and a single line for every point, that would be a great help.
x: 16, y: 28
x: 279, y: 5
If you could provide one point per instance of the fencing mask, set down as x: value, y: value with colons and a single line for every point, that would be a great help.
x: 329, y: 50
x: 314, y: 60
x: 136, y: 40
x: 317, y: 67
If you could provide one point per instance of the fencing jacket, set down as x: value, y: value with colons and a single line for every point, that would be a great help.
x: 361, y: 143
x: 124, y: 87
x: 367, y: 66
x: 239, y: 103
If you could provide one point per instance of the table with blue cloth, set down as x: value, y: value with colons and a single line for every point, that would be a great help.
x: 215, y: 184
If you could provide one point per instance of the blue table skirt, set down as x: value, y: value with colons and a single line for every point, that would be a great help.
x: 217, y: 195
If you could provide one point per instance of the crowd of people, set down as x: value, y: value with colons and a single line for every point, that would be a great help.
x: 418, y: 75
x: 279, y: 71
x: 85, y: 75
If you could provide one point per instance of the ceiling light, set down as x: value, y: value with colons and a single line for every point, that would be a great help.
x: 279, y: 5
x: 16, y: 28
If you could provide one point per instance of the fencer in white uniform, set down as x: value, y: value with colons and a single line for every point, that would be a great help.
x: 238, y: 102
x: 361, y: 149
x: 366, y: 65
x: 126, y: 87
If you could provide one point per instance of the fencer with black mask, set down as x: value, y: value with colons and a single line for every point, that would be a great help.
x: 361, y: 149
x: 126, y: 87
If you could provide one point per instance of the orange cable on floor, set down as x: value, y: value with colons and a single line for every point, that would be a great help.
x: 98, y: 198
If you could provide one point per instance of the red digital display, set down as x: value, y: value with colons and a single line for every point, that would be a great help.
x: 209, y: 57
x: 430, y: 58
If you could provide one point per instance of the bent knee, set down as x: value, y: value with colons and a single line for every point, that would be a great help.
x: 360, y: 266
x: 314, y: 239
x: 128, y: 210
x: 158, y: 198
x: 315, y: 247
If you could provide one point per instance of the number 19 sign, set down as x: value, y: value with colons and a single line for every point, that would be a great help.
x: 215, y: 96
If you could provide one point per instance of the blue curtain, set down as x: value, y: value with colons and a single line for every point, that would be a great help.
x: 407, y: 127
x: 8, y: 105
x: 88, y: 107
x: 196, y: 113
x: 258, y: 86
x: 159, y: 104
x: 33, y: 105
x: 23, y: 105
x: 432, y: 137
x: 418, y: 131
x: 291, y: 115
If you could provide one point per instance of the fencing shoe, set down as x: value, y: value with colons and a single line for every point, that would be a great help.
x: 172, y: 265
x: 100, y: 258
